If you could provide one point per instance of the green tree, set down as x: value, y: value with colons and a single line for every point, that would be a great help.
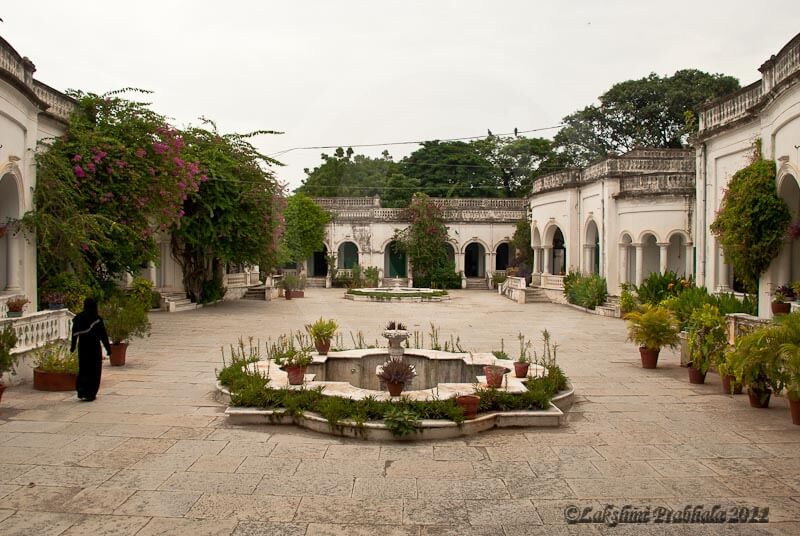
x: 522, y: 242
x: 232, y: 215
x: 648, y: 112
x: 345, y: 174
x: 451, y: 169
x: 752, y: 221
x: 425, y: 243
x: 517, y: 161
x: 304, y: 231
x: 117, y: 176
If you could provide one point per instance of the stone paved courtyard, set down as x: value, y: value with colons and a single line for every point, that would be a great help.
x: 154, y: 455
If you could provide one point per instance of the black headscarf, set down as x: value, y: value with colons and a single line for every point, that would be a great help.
x: 85, y: 318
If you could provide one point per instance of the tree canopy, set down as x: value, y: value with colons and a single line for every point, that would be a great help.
x: 653, y: 111
x: 304, y: 231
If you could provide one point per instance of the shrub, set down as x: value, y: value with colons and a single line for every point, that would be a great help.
x: 125, y: 318
x: 8, y: 361
x: 627, y: 301
x: 652, y: 327
x: 586, y: 291
x: 397, y: 371
x: 73, y: 289
x: 141, y: 290
x: 322, y: 330
x: 658, y: 287
x: 55, y: 357
x: 401, y: 421
x: 212, y: 290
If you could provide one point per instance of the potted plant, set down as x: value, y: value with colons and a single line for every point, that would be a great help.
x: 706, y: 341
x: 291, y: 359
x: 289, y: 283
x: 522, y: 364
x: 395, y: 373
x: 790, y: 356
x: 8, y: 361
x: 494, y: 375
x: 322, y: 332
x: 469, y: 403
x: 652, y: 328
x: 779, y: 304
x: 55, y: 300
x: 729, y: 384
x: 15, y: 306
x: 55, y: 368
x: 755, y: 363
x: 125, y: 318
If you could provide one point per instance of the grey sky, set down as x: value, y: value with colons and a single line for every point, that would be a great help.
x: 351, y: 72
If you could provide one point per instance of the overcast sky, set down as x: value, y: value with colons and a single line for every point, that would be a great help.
x: 356, y: 72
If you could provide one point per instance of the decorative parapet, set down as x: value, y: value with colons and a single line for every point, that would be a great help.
x: 739, y: 324
x: 651, y: 171
x: 453, y: 210
x: 19, y: 70
x: 776, y: 73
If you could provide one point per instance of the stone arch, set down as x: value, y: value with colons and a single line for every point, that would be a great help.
x: 591, y: 244
x: 787, y: 265
x: 646, y: 232
x: 317, y: 264
x: 475, y: 258
x: 395, y: 263
x: 555, y: 249
x: 651, y: 254
x: 503, y: 255
x: 451, y: 247
x: 11, y: 243
x: 475, y: 240
x: 347, y: 254
x: 677, y: 252
x: 536, y: 237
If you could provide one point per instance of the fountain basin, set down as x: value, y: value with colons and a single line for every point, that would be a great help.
x: 397, y: 294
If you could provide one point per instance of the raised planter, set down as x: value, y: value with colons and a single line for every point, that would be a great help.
x: 53, y: 381
x: 781, y: 308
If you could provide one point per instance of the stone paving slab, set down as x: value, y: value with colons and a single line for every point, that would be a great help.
x: 154, y: 453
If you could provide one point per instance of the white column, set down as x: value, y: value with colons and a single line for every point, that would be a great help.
x: 689, y: 260
x: 488, y: 263
x: 548, y: 259
x: 639, y: 263
x: 722, y: 282
x: 14, y: 259
x: 151, y: 272
x: 588, y: 258
x: 663, y: 252
x: 623, y: 263
x: 536, y: 256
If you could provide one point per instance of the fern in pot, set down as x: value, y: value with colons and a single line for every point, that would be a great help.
x: 652, y: 328
x: 706, y: 340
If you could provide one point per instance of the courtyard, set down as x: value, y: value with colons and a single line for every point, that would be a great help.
x: 154, y: 454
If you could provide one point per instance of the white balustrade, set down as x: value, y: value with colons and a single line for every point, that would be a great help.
x: 37, y: 329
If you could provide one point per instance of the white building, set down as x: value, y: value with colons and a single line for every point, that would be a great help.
x: 362, y: 232
x: 769, y: 110
x: 29, y: 112
x: 622, y: 218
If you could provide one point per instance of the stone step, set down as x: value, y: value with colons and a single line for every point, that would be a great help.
x: 189, y: 306
x: 255, y: 293
x: 535, y: 295
x: 476, y: 283
x: 315, y: 282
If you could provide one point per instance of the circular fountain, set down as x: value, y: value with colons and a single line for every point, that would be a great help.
x: 397, y: 294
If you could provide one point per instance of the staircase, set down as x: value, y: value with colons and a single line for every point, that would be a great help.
x: 477, y: 283
x: 535, y: 295
x: 176, y: 301
x: 610, y: 307
x: 315, y: 282
x: 258, y: 292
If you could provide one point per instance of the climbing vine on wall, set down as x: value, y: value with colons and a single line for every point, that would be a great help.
x: 752, y: 221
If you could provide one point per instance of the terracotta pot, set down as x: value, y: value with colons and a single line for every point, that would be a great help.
x: 296, y: 375
x: 649, y: 357
x: 395, y: 388
x: 2, y: 388
x: 730, y: 380
x: 781, y: 308
x: 469, y: 403
x: 494, y: 375
x: 695, y: 376
x: 53, y: 381
x: 759, y: 398
x: 794, y: 408
x: 118, y: 352
x: 521, y: 369
x: 323, y: 347
x: 287, y: 294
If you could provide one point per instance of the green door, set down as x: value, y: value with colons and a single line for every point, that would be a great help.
x: 397, y: 262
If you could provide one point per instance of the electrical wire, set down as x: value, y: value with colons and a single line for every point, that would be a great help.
x: 418, y: 142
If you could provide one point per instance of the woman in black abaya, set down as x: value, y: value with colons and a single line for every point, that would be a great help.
x: 88, y: 332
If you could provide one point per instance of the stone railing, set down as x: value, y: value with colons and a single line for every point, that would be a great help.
x: 37, y: 329
x: 480, y: 203
x: 346, y: 202
x: 497, y: 215
x: 244, y: 279
x: 556, y: 181
x: 782, y: 65
x: 731, y: 108
x: 553, y: 281
x: 740, y: 323
x: 657, y: 184
x: 60, y: 106
x: 517, y: 283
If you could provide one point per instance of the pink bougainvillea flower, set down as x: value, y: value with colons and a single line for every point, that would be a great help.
x: 98, y: 156
x: 90, y: 167
x: 79, y: 172
x: 76, y: 158
x: 141, y: 153
x: 85, y: 247
x: 160, y: 148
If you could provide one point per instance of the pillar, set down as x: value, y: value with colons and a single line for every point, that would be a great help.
x: 689, y: 260
x: 623, y: 263
x: 722, y: 282
x: 488, y: 263
x: 537, y: 255
x: 663, y: 252
x: 14, y: 261
x: 151, y: 272
x: 548, y: 259
x: 639, y: 264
